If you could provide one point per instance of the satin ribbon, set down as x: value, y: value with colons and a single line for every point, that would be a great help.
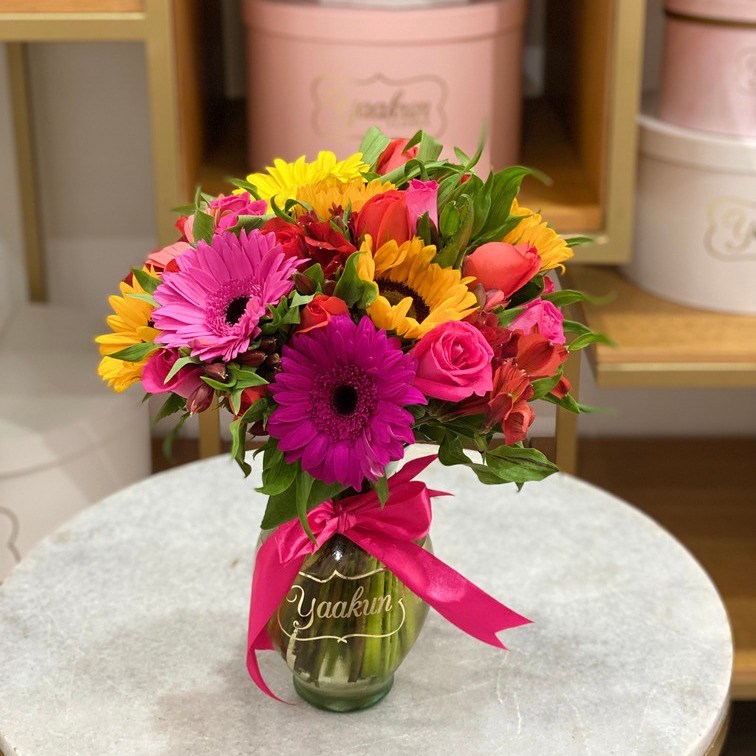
x: 387, y: 533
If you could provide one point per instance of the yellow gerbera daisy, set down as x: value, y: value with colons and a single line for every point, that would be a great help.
x: 532, y: 229
x: 130, y: 324
x: 414, y: 294
x: 353, y: 193
x: 283, y: 180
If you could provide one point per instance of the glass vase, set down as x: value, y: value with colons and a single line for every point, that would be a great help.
x: 345, y: 626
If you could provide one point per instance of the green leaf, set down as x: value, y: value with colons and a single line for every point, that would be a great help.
x: 283, y: 507
x: 146, y: 281
x: 245, y: 186
x: 529, y: 292
x: 451, y: 452
x: 503, y: 188
x: 452, y: 249
x: 174, y: 403
x: 315, y: 273
x: 203, y: 226
x: 277, y: 474
x: 180, y: 362
x: 302, y: 488
x: 244, y: 377
x: 352, y: 289
x: 569, y: 403
x: 172, y: 435
x: 574, y: 241
x: 506, y: 316
x: 519, y: 465
x: 135, y: 352
x: 144, y: 298
x: 218, y: 385
x: 566, y: 297
x: 238, y: 431
x: 380, y: 486
x: 580, y: 342
x: 372, y: 145
x: 542, y: 386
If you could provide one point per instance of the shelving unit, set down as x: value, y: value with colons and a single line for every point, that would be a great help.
x: 581, y: 133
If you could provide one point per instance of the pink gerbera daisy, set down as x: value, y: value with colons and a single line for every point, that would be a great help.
x: 341, y: 395
x: 214, y: 303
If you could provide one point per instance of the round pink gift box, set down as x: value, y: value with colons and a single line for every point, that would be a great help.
x: 319, y: 76
x: 709, y: 70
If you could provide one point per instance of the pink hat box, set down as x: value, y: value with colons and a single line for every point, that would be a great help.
x: 319, y: 75
x: 695, y: 217
x: 709, y: 69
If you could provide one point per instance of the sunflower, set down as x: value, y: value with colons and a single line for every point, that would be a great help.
x: 130, y: 324
x: 533, y: 230
x: 283, y: 180
x: 414, y: 294
x: 353, y: 194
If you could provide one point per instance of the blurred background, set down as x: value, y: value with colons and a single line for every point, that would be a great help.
x: 105, y: 127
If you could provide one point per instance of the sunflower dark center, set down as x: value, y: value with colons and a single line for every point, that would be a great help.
x: 395, y: 292
x: 345, y: 399
x: 235, y: 309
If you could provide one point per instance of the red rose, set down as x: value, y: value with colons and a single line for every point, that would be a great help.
x: 384, y: 217
x: 394, y: 156
x: 319, y: 311
x: 289, y: 235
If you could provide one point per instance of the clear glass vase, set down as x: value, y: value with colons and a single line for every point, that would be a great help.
x: 345, y: 626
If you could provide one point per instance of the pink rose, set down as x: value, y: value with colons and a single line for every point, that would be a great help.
x: 545, y: 316
x: 422, y: 197
x: 157, y: 367
x: 394, y: 156
x: 453, y: 362
x: 226, y: 210
x: 498, y: 265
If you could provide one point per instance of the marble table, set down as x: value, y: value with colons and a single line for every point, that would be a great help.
x: 124, y: 633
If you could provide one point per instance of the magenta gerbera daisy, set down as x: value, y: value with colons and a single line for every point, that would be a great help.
x: 214, y: 302
x: 341, y: 395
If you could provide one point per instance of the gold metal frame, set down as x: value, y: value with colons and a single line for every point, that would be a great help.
x: 153, y: 26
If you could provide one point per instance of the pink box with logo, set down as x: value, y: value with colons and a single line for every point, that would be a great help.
x: 320, y: 75
x: 709, y: 69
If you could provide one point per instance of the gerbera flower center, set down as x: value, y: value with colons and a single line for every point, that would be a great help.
x: 235, y: 309
x: 345, y: 399
x: 342, y: 401
x: 395, y: 292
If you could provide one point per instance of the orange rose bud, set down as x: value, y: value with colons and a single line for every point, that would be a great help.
x: 498, y: 265
x: 319, y: 311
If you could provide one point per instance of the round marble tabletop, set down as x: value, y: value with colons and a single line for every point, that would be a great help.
x: 124, y: 632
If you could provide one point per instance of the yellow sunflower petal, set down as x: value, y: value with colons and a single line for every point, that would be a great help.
x: 283, y: 180
x: 533, y: 230
x: 415, y: 294
x: 130, y: 325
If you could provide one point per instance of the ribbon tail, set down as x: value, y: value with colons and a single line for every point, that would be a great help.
x: 452, y: 595
x: 271, y: 581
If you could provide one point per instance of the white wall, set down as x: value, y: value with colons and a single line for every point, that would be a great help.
x: 93, y: 135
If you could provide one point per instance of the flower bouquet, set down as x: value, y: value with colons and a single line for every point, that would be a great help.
x: 341, y: 311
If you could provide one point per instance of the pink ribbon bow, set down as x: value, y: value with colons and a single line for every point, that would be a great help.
x: 387, y: 533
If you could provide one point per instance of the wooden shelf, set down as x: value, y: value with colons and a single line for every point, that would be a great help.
x: 660, y: 343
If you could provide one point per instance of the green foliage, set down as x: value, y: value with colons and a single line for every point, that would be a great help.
x: 135, y: 352
x: 352, y: 289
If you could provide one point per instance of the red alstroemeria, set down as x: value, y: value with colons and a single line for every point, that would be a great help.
x: 535, y: 354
